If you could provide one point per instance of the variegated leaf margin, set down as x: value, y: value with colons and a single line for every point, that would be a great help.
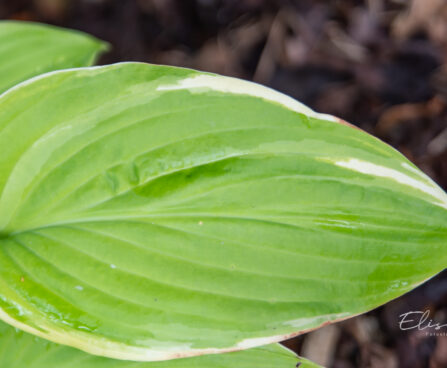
x: 151, y: 212
x: 21, y: 350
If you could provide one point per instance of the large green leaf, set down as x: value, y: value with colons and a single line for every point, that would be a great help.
x: 29, y: 49
x: 21, y: 350
x: 151, y: 212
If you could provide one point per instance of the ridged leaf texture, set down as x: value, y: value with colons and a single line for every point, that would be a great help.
x: 151, y: 212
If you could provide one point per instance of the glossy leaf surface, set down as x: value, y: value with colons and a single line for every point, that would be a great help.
x: 21, y: 350
x: 30, y: 49
x: 152, y: 212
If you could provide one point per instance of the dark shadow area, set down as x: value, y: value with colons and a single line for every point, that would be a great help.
x: 379, y: 64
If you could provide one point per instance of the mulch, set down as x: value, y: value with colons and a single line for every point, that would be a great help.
x: 380, y: 64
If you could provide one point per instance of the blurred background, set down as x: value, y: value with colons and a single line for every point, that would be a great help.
x: 379, y: 64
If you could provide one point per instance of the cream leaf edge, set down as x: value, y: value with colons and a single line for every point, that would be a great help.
x: 200, y: 83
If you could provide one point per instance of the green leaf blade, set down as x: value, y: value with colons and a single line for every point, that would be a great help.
x: 19, y: 350
x: 154, y: 211
x: 29, y: 49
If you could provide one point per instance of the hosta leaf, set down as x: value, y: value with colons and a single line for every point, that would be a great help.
x: 151, y: 212
x: 21, y: 350
x: 29, y: 49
